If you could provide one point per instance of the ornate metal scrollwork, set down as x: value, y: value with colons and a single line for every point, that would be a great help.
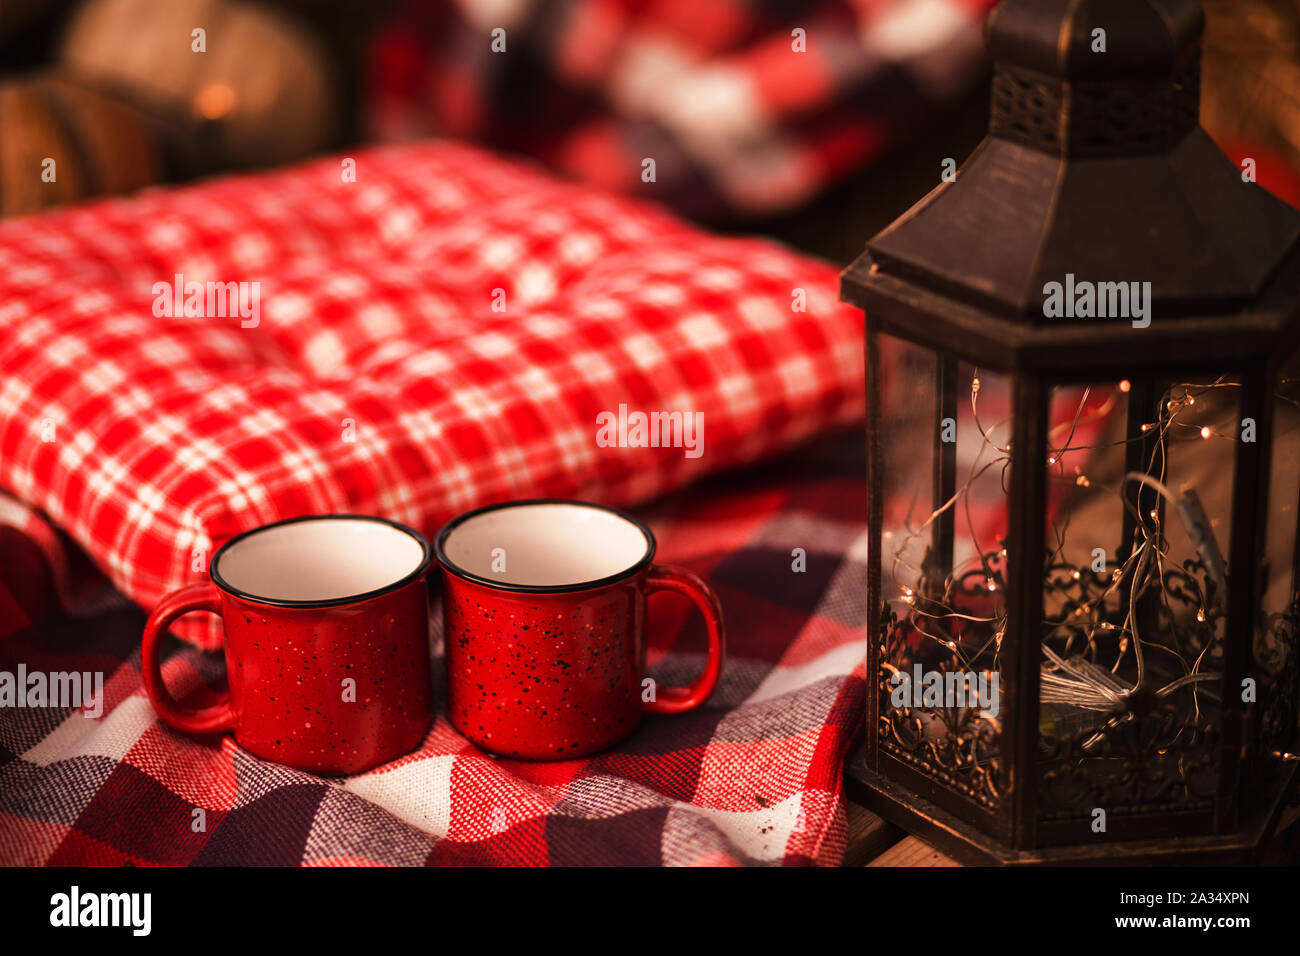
x: 1155, y: 749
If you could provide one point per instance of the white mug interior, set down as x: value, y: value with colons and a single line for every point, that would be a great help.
x: 319, y: 559
x: 546, y: 544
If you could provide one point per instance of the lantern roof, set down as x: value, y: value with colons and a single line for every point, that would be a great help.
x: 1144, y: 39
x: 1096, y: 179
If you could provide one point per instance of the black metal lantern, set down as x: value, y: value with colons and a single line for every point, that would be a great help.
x: 1085, y: 479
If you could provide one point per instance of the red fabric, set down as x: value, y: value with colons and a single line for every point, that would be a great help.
x: 752, y: 777
x: 1271, y: 171
x: 746, y: 108
x: 379, y: 379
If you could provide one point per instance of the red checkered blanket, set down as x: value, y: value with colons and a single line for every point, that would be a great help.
x: 744, y: 107
x: 752, y: 777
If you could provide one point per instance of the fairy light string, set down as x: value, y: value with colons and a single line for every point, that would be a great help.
x: 1086, y: 644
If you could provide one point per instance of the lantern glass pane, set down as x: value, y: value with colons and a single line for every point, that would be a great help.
x: 908, y: 460
x: 1273, y: 658
x: 1201, y: 422
x: 1140, y: 483
x: 945, y: 510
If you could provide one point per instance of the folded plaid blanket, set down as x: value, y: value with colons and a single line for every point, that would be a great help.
x: 744, y: 107
x: 409, y: 332
x: 753, y: 777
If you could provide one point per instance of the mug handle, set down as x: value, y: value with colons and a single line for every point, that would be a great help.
x: 677, y: 700
x: 218, y: 717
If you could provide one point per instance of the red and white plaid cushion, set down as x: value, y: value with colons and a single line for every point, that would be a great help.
x: 379, y: 378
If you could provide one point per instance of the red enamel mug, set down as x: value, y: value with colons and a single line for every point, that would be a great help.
x: 544, y: 607
x: 326, y: 643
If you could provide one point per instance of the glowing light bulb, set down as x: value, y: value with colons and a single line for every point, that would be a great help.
x: 1205, y: 431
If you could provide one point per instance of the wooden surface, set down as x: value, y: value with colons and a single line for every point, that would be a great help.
x: 869, y: 836
x: 873, y: 842
x: 912, y: 852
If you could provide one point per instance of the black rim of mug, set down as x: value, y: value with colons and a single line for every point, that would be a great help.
x: 425, y: 551
x: 452, y: 568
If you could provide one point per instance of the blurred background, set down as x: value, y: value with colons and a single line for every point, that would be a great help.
x: 814, y: 122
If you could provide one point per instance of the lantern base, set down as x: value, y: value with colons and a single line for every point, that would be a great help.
x: 967, y: 845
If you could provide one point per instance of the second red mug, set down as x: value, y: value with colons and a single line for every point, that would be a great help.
x: 544, y: 606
